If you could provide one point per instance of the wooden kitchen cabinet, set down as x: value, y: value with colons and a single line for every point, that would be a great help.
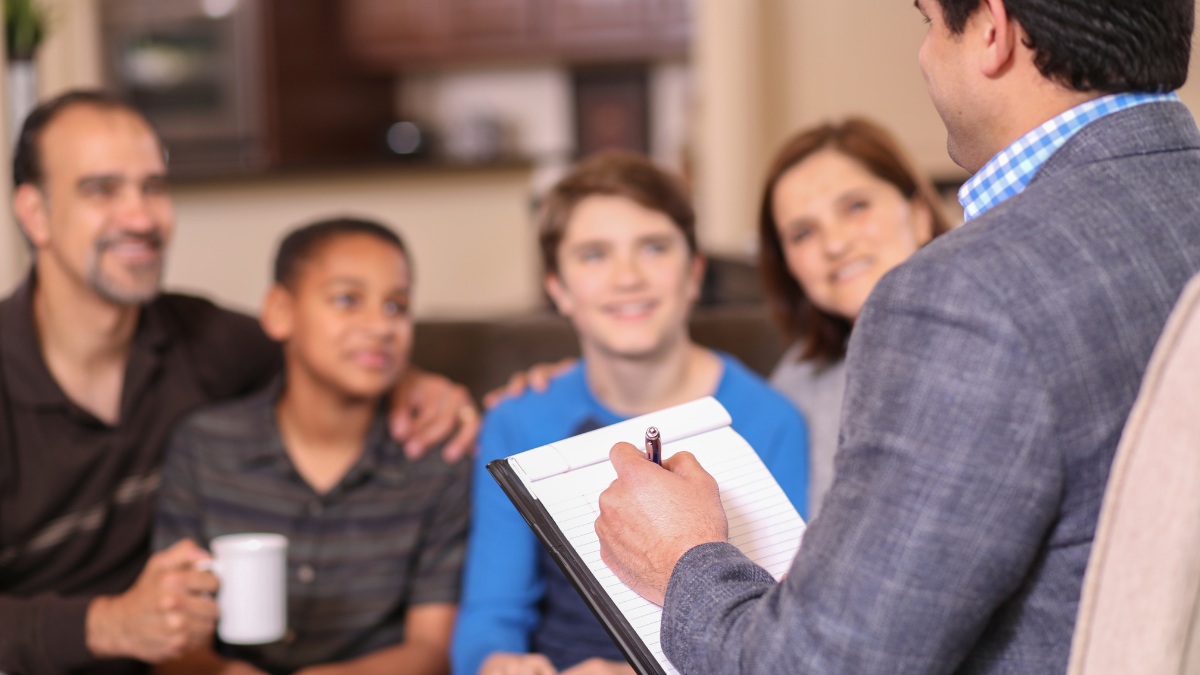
x: 618, y: 29
x: 397, y: 34
x: 259, y: 85
x: 388, y: 32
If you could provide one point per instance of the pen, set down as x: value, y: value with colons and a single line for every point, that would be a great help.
x: 653, y: 445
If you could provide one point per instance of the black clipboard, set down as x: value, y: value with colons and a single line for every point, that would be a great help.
x: 594, y: 595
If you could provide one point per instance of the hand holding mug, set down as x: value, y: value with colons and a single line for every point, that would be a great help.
x: 168, y: 610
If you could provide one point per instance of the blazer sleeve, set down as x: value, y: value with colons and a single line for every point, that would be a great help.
x: 947, y: 483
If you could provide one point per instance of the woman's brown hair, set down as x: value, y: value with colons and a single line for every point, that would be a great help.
x: 823, y: 335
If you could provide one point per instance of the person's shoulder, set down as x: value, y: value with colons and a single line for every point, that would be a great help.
x: 534, y: 418
x: 228, y: 350
x: 431, y: 468
x: 807, y: 383
x: 977, y: 259
x: 211, y: 331
x: 195, y: 315
x: 16, y: 317
x: 747, y: 395
x: 10, y: 298
x: 738, y: 378
x: 243, y: 421
x: 563, y: 393
x: 792, y: 368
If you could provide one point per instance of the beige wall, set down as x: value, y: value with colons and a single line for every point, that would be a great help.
x: 468, y: 232
x: 761, y: 70
x: 69, y: 58
x: 767, y: 68
x: 859, y: 57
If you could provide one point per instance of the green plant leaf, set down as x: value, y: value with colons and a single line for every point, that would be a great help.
x: 24, y: 28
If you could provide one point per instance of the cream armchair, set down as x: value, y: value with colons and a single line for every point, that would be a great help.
x: 1140, y: 611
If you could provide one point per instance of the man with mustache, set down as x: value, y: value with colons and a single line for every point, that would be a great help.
x: 96, y: 366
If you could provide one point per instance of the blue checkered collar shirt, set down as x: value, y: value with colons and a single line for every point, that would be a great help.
x: 1007, y: 174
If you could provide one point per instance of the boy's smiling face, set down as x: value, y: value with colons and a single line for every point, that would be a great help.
x: 626, y: 279
x: 345, y: 319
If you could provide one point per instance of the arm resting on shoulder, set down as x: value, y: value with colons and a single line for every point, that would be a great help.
x: 427, y: 409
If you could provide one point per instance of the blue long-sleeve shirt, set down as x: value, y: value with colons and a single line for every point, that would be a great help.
x: 515, y: 599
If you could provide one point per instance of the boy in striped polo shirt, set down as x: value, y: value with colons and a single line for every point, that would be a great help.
x: 375, y: 539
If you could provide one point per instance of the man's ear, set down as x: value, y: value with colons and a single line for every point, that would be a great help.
x: 558, y: 293
x: 1001, y: 36
x: 30, y: 208
x: 278, y: 313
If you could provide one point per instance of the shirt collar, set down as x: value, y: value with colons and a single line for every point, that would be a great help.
x: 24, y: 367
x: 24, y: 370
x: 1008, y: 173
x: 268, y: 448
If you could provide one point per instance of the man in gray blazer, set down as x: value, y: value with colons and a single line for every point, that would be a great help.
x: 989, y: 377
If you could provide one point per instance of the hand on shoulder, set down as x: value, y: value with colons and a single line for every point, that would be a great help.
x: 536, y: 378
x: 427, y: 409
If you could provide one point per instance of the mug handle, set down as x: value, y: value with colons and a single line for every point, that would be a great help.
x: 210, y: 565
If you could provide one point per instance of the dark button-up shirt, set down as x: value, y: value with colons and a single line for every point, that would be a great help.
x: 389, y: 535
x: 77, y: 494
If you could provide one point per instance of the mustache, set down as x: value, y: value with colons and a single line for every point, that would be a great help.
x: 153, y: 239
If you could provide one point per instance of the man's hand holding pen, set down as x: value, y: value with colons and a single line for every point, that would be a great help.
x: 650, y: 517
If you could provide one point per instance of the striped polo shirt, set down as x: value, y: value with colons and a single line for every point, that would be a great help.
x: 390, y: 535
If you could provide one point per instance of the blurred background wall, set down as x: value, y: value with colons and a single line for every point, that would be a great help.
x: 752, y: 72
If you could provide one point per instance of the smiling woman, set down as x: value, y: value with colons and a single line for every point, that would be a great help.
x: 842, y: 206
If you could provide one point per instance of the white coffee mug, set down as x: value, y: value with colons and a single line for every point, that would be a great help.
x: 252, y: 599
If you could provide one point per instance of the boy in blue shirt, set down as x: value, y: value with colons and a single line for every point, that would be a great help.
x: 619, y: 250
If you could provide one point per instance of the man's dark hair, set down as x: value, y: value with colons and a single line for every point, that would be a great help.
x: 1108, y: 46
x: 27, y: 156
x: 304, y: 242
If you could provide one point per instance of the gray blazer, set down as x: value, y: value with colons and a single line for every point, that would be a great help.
x: 989, y: 380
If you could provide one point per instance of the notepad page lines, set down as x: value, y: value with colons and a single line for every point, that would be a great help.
x: 575, y: 514
x: 763, y: 523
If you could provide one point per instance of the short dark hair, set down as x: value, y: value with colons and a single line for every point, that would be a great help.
x: 823, y: 335
x: 304, y: 242
x: 614, y: 173
x: 27, y: 155
x: 1107, y: 46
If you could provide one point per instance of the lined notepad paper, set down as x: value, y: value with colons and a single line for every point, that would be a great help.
x: 568, y: 477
